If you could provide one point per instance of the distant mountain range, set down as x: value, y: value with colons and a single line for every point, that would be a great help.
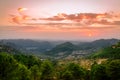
x: 28, y: 46
x: 101, y: 43
x: 81, y: 49
x: 58, y: 48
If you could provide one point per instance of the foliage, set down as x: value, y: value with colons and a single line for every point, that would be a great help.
x: 10, y: 69
x: 113, y: 69
x: 46, y: 70
x: 29, y: 67
x: 112, y: 52
x: 98, y: 72
x: 35, y: 72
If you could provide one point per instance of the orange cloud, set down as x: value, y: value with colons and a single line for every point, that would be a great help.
x: 17, y: 19
x: 80, y: 17
x: 63, y: 19
x: 26, y: 17
x: 22, y: 9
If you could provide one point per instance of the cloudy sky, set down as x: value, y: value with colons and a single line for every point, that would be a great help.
x: 60, y: 19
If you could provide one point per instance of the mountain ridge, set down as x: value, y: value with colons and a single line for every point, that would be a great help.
x: 58, y: 49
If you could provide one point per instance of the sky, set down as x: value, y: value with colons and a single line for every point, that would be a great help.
x: 60, y: 19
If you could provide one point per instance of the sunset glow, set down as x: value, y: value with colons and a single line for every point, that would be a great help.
x: 72, y: 20
x: 89, y: 34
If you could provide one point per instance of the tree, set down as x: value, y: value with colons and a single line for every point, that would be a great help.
x: 67, y: 75
x: 98, y: 72
x: 46, y: 70
x: 35, y: 72
x: 74, y: 72
x: 113, y: 69
x: 28, y: 60
x: 8, y: 67
x: 23, y: 73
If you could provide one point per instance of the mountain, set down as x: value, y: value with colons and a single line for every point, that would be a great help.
x: 112, y: 52
x: 58, y: 48
x: 62, y: 49
x: 97, y: 44
x: 29, y: 46
x: 8, y: 49
x: 82, y: 49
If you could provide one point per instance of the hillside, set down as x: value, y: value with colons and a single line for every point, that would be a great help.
x: 29, y: 46
x: 8, y: 49
x: 68, y: 49
x: 58, y: 48
x: 62, y: 49
x: 112, y: 52
x: 97, y: 44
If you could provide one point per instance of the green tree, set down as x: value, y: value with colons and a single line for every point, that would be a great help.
x: 98, y: 72
x: 8, y: 67
x: 35, y: 72
x: 87, y: 75
x: 46, y: 70
x: 28, y: 60
x: 67, y: 75
x: 113, y: 70
x: 74, y: 72
x: 23, y: 73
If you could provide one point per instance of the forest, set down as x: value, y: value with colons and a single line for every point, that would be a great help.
x: 30, y: 67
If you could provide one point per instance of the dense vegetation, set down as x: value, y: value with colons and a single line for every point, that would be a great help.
x: 24, y: 67
x: 17, y: 66
x: 112, y: 52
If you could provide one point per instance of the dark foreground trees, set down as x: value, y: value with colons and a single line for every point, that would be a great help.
x: 113, y: 69
x: 73, y: 72
x: 22, y: 67
x: 109, y: 70
x: 10, y: 69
